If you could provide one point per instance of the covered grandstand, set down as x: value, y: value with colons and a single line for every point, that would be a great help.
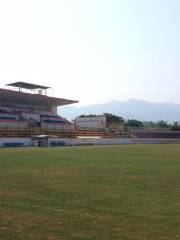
x: 26, y: 111
x: 22, y: 112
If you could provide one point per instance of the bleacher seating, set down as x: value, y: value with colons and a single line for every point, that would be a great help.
x: 13, y: 123
x: 5, y: 115
x: 27, y: 123
x: 30, y: 116
x: 55, y: 121
x: 25, y: 118
x: 156, y: 134
x: 11, y: 119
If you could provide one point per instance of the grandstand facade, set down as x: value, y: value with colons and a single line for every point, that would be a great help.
x: 27, y: 111
x: 25, y: 106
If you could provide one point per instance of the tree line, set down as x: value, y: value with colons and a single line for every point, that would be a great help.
x: 114, y: 120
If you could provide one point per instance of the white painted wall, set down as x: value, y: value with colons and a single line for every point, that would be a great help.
x: 111, y: 141
x: 91, y: 122
x: 27, y: 142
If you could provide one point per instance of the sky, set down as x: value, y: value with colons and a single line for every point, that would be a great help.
x: 93, y: 51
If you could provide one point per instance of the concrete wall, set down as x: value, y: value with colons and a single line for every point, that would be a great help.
x: 54, y: 109
x: 91, y: 122
x: 27, y: 142
x: 111, y: 141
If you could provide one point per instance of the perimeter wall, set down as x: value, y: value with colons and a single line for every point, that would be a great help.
x: 27, y: 142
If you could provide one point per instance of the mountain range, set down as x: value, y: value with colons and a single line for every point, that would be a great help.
x: 130, y: 109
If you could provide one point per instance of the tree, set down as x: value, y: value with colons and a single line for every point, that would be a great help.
x: 175, y: 126
x: 113, y: 119
x: 162, y: 124
x: 149, y: 124
x: 134, y: 123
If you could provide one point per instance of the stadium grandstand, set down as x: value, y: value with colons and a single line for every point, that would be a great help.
x: 29, y: 117
x: 26, y: 110
x: 24, y: 106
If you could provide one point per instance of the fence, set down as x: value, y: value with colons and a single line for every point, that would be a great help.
x: 155, y: 134
x: 64, y: 133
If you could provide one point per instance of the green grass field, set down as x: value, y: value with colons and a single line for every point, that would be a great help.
x: 89, y: 193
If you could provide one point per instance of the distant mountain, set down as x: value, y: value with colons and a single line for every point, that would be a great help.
x: 130, y: 109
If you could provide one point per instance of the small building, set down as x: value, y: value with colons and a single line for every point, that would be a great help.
x: 97, y: 122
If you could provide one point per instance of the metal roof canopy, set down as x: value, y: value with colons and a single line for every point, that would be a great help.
x: 7, y: 95
x: 27, y: 85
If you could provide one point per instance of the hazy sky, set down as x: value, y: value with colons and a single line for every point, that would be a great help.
x: 93, y: 50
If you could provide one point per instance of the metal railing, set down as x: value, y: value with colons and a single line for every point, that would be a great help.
x: 34, y: 131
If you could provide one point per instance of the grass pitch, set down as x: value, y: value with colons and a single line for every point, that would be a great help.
x: 90, y: 193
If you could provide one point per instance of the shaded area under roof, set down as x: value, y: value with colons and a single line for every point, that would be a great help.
x: 34, y: 99
x: 27, y: 85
